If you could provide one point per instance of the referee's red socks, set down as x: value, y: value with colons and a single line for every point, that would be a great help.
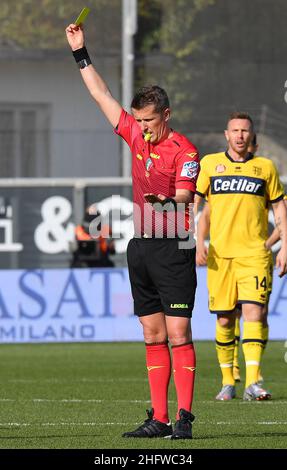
x: 159, y: 370
x: 184, y: 364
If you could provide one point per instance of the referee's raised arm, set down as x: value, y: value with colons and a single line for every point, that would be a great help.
x: 93, y: 81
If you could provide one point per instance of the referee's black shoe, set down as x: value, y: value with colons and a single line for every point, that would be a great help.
x: 151, y: 428
x: 183, y: 427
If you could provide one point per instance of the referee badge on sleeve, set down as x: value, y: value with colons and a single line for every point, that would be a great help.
x: 190, y: 169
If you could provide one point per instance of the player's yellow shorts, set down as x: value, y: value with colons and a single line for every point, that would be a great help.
x: 234, y: 281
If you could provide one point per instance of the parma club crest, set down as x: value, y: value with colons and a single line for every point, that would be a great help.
x: 220, y: 168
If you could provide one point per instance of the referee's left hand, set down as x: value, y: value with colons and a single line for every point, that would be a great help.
x: 153, y: 198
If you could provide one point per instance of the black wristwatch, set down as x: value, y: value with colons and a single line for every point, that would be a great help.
x: 84, y: 63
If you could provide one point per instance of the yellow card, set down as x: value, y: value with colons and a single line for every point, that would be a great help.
x: 82, y: 16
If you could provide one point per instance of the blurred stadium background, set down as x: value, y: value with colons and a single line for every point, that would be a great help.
x: 58, y: 155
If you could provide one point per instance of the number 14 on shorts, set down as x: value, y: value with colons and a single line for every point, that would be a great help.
x: 261, y: 283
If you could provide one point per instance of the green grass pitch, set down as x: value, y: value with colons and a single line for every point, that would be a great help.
x: 60, y: 396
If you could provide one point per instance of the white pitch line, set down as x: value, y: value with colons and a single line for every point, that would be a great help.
x: 103, y: 380
x: 91, y: 424
x: 66, y: 424
x: 85, y: 380
x: 268, y: 402
x: 92, y: 400
x: 73, y: 400
x: 241, y: 402
x: 96, y: 400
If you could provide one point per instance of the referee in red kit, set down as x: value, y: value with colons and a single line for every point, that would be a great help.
x: 161, y: 256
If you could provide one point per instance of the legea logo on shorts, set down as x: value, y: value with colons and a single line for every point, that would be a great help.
x: 237, y: 184
x: 178, y: 305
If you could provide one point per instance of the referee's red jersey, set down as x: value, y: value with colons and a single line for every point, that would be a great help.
x: 159, y: 169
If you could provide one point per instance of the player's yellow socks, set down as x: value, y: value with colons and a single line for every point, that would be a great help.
x: 265, y: 339
x: 225, y: 342
x: 236, y: 347
x: 252, y: 345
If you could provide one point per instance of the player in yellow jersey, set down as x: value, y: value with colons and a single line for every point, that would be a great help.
x: 201, y: 260
x: 238, y: 187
